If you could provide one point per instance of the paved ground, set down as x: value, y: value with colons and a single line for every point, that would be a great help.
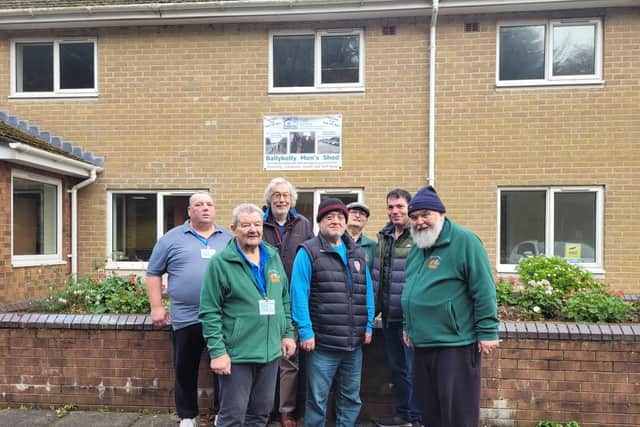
x: 38, y: 417
x: 41, y: 418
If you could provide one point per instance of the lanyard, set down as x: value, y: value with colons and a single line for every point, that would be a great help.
x: 202, y: 240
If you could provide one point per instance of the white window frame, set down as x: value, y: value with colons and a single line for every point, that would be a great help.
x: 594, y: 267
x: 318, y: 86
x: 549, y: 79
x: 160, y: 195
x: 319, y: 192
x: 57, y: 91
x: 44, y: 259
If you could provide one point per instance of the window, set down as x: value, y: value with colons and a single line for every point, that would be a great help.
x: 36, y: 211
x: 556, y: 221
x: 316, y: 61
x: 309, y: 200
x: 139, y: 219
x: 550, y: 52
x: 53, y: 68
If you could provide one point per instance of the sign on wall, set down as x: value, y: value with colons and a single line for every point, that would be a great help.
x: 303, y: 142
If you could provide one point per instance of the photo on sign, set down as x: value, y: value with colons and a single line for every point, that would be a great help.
x: 302, y: 142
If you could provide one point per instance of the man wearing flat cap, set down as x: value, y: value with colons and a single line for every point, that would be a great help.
x: 357, y: 220
x: 332, y: 306
x: 449, y: 311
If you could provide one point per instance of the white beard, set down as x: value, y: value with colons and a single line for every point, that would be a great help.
x: 427, y: 238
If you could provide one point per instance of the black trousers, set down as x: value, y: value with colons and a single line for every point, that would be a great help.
x: 188, y: 345
x: 446, y: 383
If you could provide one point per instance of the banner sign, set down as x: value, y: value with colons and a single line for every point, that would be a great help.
x: 303, y: 142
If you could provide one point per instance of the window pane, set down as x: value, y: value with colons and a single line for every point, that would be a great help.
x: 35, y: 218
x: 345, y: 197
x: 340, y: 59
x: 293, y: 61
x: 175, y: 211
x: 575, y: 226
x: 522, y: 52
x: 34, y: 67
x: 574, y: 50
x: 134, y: 228
x: 76, y: 66
x: 304, y: 205
x: 522, y: 225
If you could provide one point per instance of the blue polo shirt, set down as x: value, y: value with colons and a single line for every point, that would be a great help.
x: 179, y: 254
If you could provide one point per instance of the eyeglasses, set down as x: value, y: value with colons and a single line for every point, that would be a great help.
x: 424, y: 215
x: 285, y: 196
x: 357, y: 212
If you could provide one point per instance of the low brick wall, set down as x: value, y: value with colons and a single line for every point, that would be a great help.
x: 589, y: 373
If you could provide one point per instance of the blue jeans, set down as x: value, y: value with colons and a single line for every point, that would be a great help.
x: 400, y: 359
x: 322, y: 366
x: 246, y: 396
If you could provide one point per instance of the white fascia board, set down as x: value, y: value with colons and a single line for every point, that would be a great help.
x: 44, y: 160
x: 271, y: 11
x: 209, y: 12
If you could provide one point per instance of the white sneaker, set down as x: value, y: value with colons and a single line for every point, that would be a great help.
x: 189, y: 422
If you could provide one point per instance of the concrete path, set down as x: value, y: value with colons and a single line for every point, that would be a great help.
x: 39, y: 417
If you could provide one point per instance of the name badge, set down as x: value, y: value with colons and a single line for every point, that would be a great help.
x: 207, y: 253
x: 267, y: 307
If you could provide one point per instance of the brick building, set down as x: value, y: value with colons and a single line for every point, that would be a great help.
x: 525, y: 115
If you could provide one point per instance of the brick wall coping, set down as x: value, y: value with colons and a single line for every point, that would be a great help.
x: 508, y: 329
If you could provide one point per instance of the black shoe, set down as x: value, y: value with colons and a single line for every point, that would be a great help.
x: 393, y: 421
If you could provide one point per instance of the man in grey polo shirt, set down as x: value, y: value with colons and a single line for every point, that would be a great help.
x: 184, y: 252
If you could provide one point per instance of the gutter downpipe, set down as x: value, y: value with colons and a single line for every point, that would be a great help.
x: 432, y: 93
x: 74, y: 218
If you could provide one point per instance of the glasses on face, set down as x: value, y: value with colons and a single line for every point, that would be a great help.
x: 424, y: 215
x: 278, y: 196
x: 356, y: 212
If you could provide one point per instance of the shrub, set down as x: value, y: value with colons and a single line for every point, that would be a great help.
x: 540, y: 299
x: 92, y: 294
x: 505, y: 293
x: 562, y: 275
x: 597, y: 305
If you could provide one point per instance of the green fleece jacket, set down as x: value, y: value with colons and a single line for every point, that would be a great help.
x: 449, y: 296
x: 229, y: 311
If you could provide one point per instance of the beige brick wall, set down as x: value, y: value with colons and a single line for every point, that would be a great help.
x: 181, y: 108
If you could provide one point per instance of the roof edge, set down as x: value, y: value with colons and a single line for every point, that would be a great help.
x: 149, y: 13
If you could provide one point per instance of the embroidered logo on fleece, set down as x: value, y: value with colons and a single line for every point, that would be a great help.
x: 434, y: 262
x: 274, y: 277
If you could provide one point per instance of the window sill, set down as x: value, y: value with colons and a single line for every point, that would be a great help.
x: 48, y: 95
x: 315, y: 91
x: 597, y: 83
x: 126, y: 265
x: 35, y: 262
x: 599, y: 272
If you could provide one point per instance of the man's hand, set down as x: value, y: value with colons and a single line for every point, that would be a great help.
x: 221, y: 365
x: 308, y: 345
x: 485, y: 347
x: 288, y: 347
x: 159, y: 316
x: 405, y: 338
x: 367, y: 338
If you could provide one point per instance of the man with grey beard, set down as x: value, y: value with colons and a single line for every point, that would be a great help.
x: 449, y: 313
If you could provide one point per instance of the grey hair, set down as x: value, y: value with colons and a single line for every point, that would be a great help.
x: 249, y: 208
x: 197, y: 193
x: 276, y: 181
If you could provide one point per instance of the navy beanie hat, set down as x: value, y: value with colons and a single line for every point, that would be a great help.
x: 329, y: 205
x: 426, y: 198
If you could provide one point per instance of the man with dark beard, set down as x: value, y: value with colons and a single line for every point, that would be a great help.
x: 449, y: 313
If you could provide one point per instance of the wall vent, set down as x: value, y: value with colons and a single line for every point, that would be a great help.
x: 388, y: 30
x: 471, y: 27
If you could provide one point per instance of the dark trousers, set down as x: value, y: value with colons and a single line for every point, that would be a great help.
x: 447, y: 385
x: 188, y: 344
x: 246, y: 395
x: 400, y: 360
